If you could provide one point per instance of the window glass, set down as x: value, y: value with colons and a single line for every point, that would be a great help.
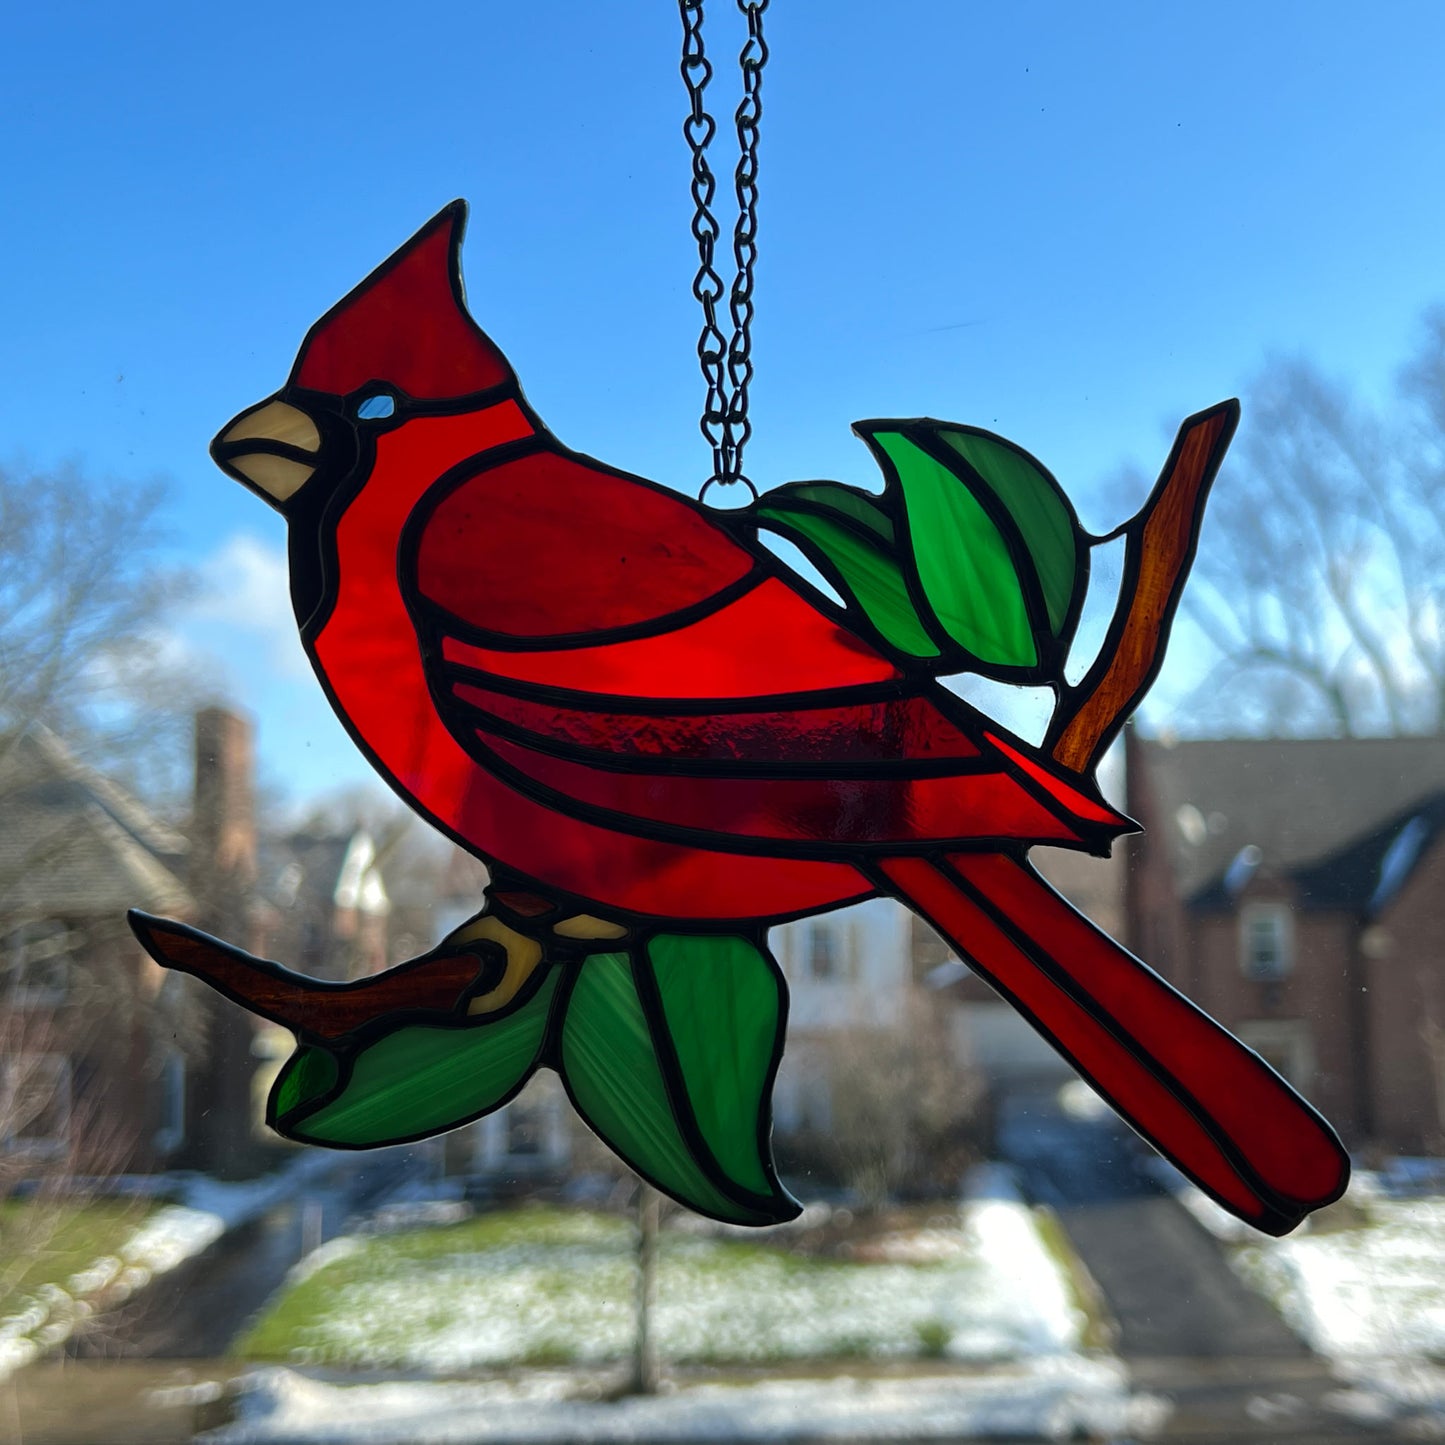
x: 1030, y: 241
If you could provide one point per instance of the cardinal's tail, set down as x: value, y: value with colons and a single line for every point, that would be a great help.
x: 1210, y: 1105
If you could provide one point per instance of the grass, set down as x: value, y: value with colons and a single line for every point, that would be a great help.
x: 933, y: 1337
x: 46, y: 1241
x: 545, y: 1286
x: 1099, y: 1328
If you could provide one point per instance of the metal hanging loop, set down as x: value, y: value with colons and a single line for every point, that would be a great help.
x: 727, y: 365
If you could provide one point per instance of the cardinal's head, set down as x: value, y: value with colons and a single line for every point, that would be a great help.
x: 398, y: 346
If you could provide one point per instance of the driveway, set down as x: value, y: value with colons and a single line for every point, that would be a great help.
x: 1187, y: 1327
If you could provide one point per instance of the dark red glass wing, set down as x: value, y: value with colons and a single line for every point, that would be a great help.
x: 546, y: 546
x: 838, y: 814
x: 889, y: 734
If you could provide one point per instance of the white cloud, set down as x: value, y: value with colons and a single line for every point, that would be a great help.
x: 244, y: 586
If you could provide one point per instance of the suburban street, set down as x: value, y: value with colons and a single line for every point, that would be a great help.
x: 1185, y: 1326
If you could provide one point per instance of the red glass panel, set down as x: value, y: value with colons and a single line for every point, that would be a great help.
x: 1101, y: 1056
x: 842, y: 811
x: 1077, y: 802
x: 492, y: 552
x: 891, y: 734
x: 769, y: 641
x: 377, y: 334
x: 1284, y: 1141
x: 370, y: 656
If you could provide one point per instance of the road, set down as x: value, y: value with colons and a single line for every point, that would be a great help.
x: 155, y: 1371
x: 198, y: 1312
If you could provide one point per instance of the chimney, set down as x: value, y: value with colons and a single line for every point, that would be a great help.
x: 220, y: 1123
x: 223, y: 824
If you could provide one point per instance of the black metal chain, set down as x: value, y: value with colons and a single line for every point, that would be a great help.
x: 727, y: 365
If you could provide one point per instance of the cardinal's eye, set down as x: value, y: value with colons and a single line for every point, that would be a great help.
x: 376, y: 406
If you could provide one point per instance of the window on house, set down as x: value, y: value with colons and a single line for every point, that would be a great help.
x: 1265, y: 942
x: 527, y: 1135
x: 38, y: 960
x: 35, y: 1096
x: 1286, y: 1045
x: 823, y: 960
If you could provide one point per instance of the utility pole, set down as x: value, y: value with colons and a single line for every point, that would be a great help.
x: 644, y: 1360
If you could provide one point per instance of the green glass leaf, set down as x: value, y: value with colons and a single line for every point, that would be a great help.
x: 843, y: 502
x: 869, y: 575
x: 609, y: 1060
x: 307, y: 1074
x: 419, y: 1079
x: 963, y: 561
x: 1038, y: 507
x: 723, y: 1005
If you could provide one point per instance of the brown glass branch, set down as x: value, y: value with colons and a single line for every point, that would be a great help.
x: 1158, y: 552
x: 434, y: 983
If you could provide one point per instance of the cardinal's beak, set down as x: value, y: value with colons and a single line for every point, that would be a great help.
x: 273, y: 448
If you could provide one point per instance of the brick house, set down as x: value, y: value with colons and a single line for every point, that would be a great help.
x: 110, y: 1062
x: 107, y: 1061
x: 1296, y: 890
x: 91, y: 1077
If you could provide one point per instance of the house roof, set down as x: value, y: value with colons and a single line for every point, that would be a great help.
x: 74, y: 843
x: 1367, y: 874
x: 1285, y: 807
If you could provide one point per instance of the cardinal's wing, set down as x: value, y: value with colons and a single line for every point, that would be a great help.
x: 606, y: 647
x: 578, y: 577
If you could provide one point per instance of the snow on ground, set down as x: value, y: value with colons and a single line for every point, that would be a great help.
x: 980, y: 1284
x: 211, y: 1207
x: 1376, y: 1291
x: 1368, y: 1295
x: 171, y: 1235
x: 1372, y: 1288
x: 1054, y: 1399
x: 553, y: 1286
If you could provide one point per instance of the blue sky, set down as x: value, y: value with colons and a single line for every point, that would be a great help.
x: 1074, y: 224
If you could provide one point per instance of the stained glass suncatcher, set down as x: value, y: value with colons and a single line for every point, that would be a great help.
x: 662, y: 741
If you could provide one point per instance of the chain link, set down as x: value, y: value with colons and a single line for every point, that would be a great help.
x: 727, y: 364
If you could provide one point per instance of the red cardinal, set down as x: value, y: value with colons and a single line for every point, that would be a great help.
x: 620, y: 699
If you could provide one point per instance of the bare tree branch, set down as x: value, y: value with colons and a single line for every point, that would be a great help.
x: 83, y: 596
x: 82, y: 601
x: 1320, y: 579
